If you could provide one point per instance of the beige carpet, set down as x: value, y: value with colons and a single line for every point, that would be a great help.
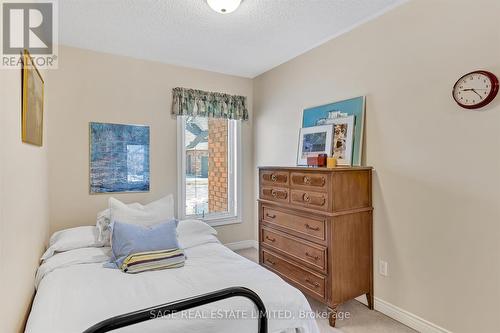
x: 361, y: 319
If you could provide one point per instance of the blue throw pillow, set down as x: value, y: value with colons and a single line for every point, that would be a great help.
x: 129, y: 239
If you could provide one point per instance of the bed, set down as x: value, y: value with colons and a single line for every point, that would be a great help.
x: 75, y: 291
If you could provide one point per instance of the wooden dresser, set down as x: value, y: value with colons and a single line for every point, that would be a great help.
x: 315, y: 231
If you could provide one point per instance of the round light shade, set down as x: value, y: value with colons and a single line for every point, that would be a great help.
x: 224, y: 6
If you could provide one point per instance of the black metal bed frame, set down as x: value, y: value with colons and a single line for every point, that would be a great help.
x: 154, y: 312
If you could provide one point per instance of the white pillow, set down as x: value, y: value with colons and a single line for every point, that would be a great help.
x: 70, y: 239
x: 155, y: 212
x: 103, y: 223
x: 191, y: 233
x: 164, y: 207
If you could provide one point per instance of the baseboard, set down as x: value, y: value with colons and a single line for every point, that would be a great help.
x: 409, y: 319
x: 246, y: 244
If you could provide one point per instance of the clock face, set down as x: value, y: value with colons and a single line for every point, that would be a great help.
x: 476, y: 89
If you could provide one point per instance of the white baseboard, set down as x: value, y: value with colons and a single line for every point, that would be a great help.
x: 409, y: 319
x: 246, y: 244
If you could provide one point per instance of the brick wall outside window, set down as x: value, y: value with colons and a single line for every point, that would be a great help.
x: 217, y: 165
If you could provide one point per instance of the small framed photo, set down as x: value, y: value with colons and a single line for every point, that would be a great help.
x: 343, y: 132
x: 314, y: 141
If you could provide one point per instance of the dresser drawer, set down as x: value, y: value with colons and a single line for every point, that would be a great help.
x: 301, y: 224
x: 309, y: 199
x: 273, y: 177
x: 312, y: 255
x: 309, y: 180
x: 314, y: 283
x: 275, y: 194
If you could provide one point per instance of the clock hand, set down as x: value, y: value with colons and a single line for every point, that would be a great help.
x: 474, y: 90
x: 471, y: 89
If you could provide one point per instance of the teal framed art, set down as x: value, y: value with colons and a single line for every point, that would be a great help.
x: 331, y: 113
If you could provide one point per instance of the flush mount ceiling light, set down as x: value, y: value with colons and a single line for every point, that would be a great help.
x: 224, y: 6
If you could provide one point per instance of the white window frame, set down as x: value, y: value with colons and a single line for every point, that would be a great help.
x: 235, y: 197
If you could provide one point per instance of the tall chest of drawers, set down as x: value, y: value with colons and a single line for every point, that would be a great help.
x: 315, y: 231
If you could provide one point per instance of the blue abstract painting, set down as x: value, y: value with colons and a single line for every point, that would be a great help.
x: 119, y: 158
x: 321, y: 115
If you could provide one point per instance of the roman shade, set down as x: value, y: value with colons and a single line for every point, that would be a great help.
x: 198, y: 103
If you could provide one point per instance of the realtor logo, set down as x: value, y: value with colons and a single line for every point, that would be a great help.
x: 29, y: 26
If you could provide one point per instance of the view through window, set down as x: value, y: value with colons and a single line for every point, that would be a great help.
x: 209, y: 163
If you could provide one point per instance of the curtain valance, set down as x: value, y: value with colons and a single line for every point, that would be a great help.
x: 191, y: 102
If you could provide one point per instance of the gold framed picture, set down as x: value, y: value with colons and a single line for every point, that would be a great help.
x: 32, y: 113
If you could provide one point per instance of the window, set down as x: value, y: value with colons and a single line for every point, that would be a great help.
x: 209, y: 169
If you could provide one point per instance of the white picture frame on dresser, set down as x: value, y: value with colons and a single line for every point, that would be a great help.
x: 314, y: 141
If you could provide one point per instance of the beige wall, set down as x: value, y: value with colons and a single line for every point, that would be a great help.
x: 24, y: 223
x: 90, y: 86
x: 437, y: 166
x: 436, y: 184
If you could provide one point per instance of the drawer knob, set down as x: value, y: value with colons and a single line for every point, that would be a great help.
x: 269, y: 261
x: 271, y: 216
x: 313, y: 283
x: 307, y: 180
x: 312, y: 228
x: 276, y: 194
x: 311, y: 256
x: 274, y: 178
x: 271, y: 239
x: 306, y: 197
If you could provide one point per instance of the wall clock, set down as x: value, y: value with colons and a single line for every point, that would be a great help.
x: 476, y: 89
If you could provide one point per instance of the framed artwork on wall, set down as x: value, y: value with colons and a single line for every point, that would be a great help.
x: 330, y: 113
x: 32, y: 113
x: 314, y: 141
x: 119, y: 158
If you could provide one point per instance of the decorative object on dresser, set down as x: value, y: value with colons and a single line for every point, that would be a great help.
x: 340, y: 113
x: 343, y: 130
x: 317, y: 161
x: 315, y: 231
x: 314, y: 141
x: 331, y: 162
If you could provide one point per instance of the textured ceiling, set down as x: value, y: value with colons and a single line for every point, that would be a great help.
x: 258, y: 36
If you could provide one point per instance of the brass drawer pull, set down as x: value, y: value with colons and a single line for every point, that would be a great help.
x: 271, y: 216
x: 307, y: 180
x: 271, y: 239
x: 313, y: 283
x: 312, y: 228
x: 306, y: 197
x: 276, y: 193
x: 311, y: 256
x: 274, y: 178
x: 269, y: 261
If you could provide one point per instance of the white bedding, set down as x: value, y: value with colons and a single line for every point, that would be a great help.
x: 74, y: 292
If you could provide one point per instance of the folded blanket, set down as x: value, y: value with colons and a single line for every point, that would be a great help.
x: 153, y: 260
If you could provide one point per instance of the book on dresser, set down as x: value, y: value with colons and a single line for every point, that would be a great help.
x: 315, y: 231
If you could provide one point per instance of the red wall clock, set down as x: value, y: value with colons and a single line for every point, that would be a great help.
x: 476, y: 89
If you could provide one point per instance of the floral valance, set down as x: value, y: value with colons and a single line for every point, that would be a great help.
x: 190, y: 102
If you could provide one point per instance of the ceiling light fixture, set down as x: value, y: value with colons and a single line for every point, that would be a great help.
x: 224, y: 6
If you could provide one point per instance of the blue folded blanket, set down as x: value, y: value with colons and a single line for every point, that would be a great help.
x: 138, y: 248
